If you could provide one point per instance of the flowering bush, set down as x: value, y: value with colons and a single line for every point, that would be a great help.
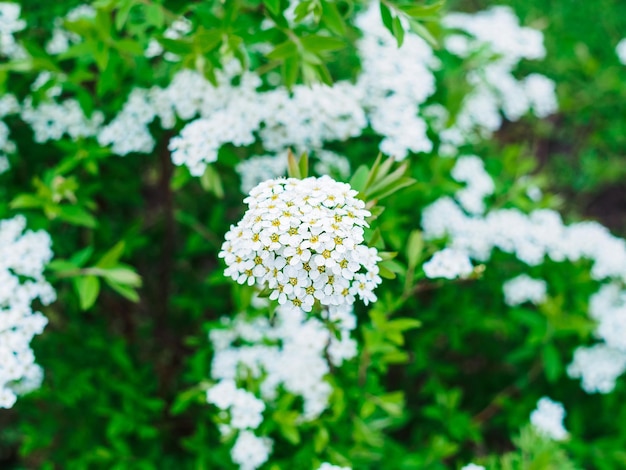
x: 406, y: 292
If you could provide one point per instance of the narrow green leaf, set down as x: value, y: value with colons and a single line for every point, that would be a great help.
x: 273, y: 6
x: 123, y: 276
x: 332, y: 18
x: 25, y: 201
x: 303, y: 165
x: 283, y: 50
x: 111, y: 257
x: 398, y: 30
x: 415, y: 246
x: 122, y: 14
x: 88, y: 288
x: 319, y: 43
x: 423, y: 11
x: 81, y: 257
x: 293, y: 169
x: 357, y: 182
x: 125, y: 291
x: 386, y: 16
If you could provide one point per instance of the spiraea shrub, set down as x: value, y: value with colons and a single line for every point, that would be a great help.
x: 306, y: 234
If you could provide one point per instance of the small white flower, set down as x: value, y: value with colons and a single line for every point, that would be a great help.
x: 548, y: 419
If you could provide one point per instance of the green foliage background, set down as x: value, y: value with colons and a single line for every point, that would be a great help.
x: 123, y: 387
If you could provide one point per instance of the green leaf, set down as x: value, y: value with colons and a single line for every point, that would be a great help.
x: 386, y: 16
x: 319, y: 43
x: 273, y: 6
x: 303, y: 165
x: 357, y: 182
x: 332, y: 18
x: 155, y: 15
x: 552, y: 362
x: 81, y: 257
x: 398, y: 30
x: 125, y: 291
x: 88, y: 288
x: 423, y: 11
x: 404, y: 324
x: 290, y: 68
x: 25, y: 201
x: 415, y: 246
x: 77, y: 216
x: 211, y: 181
x: 283, y: 50
x: 122, y: 14
x: 421, y: 30
x: 123, y: 276
x: 293, y: 168
x: 111, y: 257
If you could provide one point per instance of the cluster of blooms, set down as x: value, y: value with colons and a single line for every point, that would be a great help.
x: 10, y: 23
x: 62, y: 38
x: 448, y: 263
x: 470, y: 169
x: 524, y: 288
x: 494, y: 85
x: 395, y: 82
x: 599, y: 366
x: 8, y: 105
x: 50, y: 120
x: 23, y: 256
x: 288, y: 353
x: 532, y: 237
x: 620, y: 50
x: 473, y: 466
x: 547, y: 419
x: 303, y: 239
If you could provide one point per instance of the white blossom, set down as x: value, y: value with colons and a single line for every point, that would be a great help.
x: 449, y: 264
x: 620, y: 50
x: 23, y: 256
x: 329, y: 466
x: 303, y: 239
x: 251, y: 451
x: 598, y: 366
x: 524, y: 288
x: 547, y: 419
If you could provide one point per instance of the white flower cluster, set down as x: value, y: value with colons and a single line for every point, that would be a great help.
x: 330, y: 466
x: 289, y: 353
x: 50, y: 120
x: 8, y: 105
x: 251, y: 451
x: 10, y: 23
x: 598, y: 367
x: 494, y: 86
x: 524, y: 288
x: 470, y: 169
x: 61, y: 37
x: 547, y: 419
x: 304, y: 240
x: 532, y: 237
x: 246, y: 410
x: 395, y: 82
x: 473, y: 466
x: 23, y: 256
x: 449, y: 264
x: 620, y: 50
